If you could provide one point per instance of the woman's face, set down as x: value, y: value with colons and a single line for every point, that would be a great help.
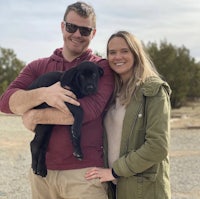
x: 120, y: 58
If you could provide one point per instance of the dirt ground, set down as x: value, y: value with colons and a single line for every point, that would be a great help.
x: 185, y: 152
x: 184, y: 155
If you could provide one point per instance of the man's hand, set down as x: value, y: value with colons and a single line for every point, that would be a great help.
x: 55, y: 96
x: 28, y: 120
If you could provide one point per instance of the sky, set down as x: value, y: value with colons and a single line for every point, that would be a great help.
x: 32, y: 28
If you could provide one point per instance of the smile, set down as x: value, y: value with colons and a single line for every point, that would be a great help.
x: 75, y: 41
x: 119, y: 64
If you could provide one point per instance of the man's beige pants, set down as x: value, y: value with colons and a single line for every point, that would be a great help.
x: 67, y: 184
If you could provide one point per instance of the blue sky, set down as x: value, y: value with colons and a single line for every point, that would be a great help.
x: 32, y: 28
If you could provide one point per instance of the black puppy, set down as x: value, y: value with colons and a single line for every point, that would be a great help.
x: 82, y: 81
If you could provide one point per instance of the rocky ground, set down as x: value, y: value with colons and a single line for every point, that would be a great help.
x: 184, y: 155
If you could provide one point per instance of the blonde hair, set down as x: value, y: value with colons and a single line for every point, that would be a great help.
x: 142, y: 69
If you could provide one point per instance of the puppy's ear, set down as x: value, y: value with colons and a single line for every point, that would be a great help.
x: 101, y: 72
x: 68, y: 77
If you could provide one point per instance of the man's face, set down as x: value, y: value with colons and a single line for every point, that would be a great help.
x: 75, y: 43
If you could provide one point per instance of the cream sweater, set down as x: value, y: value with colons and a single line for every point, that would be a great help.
x: 113, y: 123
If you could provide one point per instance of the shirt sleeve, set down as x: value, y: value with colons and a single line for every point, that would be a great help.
x: 94, y: 105
x: 22, y: 81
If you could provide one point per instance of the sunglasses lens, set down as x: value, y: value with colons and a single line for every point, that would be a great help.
x: 85, y: 31
x: 71, y: 28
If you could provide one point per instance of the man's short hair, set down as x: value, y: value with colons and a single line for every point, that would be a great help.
x: 83, y: 10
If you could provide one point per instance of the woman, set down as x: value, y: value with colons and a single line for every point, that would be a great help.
x: 137, y: 124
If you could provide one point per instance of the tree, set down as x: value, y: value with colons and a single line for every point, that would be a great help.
x: 10, y: 67
x: 177, y: 68
x: 194, y: 91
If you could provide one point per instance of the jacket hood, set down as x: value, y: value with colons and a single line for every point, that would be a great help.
x: 58, y: 56
x: 152, y: 85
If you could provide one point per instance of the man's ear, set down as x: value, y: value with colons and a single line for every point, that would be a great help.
x: 62, y: 26
x: 101, y: 72
x: 94, y: 33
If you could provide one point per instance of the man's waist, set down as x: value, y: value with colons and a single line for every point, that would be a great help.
x: 64, y: 159
x: 71, y: 163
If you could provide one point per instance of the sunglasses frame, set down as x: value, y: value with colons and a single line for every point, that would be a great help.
x: 84, y: 31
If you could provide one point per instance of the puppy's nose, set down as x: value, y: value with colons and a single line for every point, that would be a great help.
x: 90, y: 88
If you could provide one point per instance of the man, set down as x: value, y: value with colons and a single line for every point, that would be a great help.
x: 65, y: 177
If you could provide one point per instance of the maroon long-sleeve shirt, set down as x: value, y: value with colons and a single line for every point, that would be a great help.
x: 59, y: 154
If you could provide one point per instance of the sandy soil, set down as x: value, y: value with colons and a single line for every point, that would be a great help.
x: 14, y: 158
x: 184, y: 155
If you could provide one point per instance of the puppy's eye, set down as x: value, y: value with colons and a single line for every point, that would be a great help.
x: 94, y: 75
x: 82, y: 76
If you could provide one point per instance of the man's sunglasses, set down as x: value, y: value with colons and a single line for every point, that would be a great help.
x: 72, y: 28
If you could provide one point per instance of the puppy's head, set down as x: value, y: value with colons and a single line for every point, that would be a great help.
x: 83, y: 79
x: 88, y: 74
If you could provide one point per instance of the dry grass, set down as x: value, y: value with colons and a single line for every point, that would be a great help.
x: 187, y: 117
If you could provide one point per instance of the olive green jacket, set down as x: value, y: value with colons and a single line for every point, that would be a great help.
x: 143, y: 165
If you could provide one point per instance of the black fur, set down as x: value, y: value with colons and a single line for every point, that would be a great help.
x: 83, y: 81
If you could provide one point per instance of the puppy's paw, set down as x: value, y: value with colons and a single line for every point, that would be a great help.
x: 78, y: 154
x: 41, y: 170
x: 34, y: 167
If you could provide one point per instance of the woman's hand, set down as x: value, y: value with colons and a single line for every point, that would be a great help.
x: 102, y: 174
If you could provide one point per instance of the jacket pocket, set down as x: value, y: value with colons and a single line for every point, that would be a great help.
x: 135, y: 187
x: 150, y: 174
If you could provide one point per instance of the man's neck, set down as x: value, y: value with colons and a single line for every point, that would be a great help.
x: 69, y: 56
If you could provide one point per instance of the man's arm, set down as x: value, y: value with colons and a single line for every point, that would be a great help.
x: 46, y: 116
x: 94, y: 105
x: 22, y: 100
